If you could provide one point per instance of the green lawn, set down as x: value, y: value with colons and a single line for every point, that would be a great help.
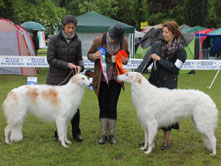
x: 39, y: 148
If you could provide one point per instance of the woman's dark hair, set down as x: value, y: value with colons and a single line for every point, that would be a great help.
x: 173, y: 27
x: 35, y: 33
x: 69, y: 19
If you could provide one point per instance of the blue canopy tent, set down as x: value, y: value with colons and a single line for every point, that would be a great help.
x: 214, y: 38
x: 216, y: 48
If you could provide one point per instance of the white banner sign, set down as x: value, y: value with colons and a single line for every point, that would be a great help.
x: 23, y: 61
x: 41, y: 61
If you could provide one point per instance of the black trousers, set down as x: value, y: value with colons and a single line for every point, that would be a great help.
x: 108, y: 98
x: 75, y: 122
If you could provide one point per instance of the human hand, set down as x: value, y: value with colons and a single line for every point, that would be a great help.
x: 71, y: 66
x: 155, y: 57
x: 74, y: 67
x: 124, y: 60
x: 97, y: 55
x: 79, y: 69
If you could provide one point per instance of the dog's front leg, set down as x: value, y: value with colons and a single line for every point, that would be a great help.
x: 7, y: 131
x: 66, y: 129
x: 145, y: 139
x: 60, y: 123
x: 152, y: 131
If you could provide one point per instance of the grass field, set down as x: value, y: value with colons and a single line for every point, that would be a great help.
x: 38, y: 147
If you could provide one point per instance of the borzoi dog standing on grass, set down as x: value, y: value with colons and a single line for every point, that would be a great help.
x: 51, y: 103
x: 161, y: 107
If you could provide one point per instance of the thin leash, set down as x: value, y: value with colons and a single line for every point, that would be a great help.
x: 72, y: 71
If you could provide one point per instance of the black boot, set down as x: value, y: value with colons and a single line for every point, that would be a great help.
x: 76, y: 132
x: 55, y: 135
x: 112, y: 140
x: 103, y: 140
x: 78, y: 138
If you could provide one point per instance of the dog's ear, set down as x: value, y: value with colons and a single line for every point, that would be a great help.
x: 74, y: 79
x: 139, y: 78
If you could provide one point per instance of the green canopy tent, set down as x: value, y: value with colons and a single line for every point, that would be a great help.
x: 184, y: 27
x: 92, y: 24
x: 95, y: 22
x: 193, y: 29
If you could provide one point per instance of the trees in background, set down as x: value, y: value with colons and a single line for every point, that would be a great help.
x: 216, y: 6
x: 6, y: 9
x: 196, y: 12
x: 131, y: 12
x: 159, y: 11
x: 49, y: 13
x: 42, y: 11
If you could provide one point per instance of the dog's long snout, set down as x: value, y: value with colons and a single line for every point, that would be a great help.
x: 119, y: 78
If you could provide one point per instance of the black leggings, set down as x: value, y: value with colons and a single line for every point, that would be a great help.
x: 108, y: 98
x: 75, y: 121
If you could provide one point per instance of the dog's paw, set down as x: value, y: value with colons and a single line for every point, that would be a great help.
x: 64, y: 145
x: 147, y: 152
x: 212, y: 154
x: 7, y: 142
x: 68, y: 142
x: 143, y: 148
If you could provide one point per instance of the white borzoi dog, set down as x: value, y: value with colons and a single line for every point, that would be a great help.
x: 161, y: 107
x: 51, y: 103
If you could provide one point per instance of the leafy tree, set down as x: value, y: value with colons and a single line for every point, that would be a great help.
x: 6, y: 9
x: 50, y: 12
x: 132, y: 12
x: 160, y: 11
x: 78, y: 7
x: 196, y: 12
x: 106, y: 7
x: 42, y: 11
x: 73, y: 7
x: 217, y: 12
x: 50, y: 15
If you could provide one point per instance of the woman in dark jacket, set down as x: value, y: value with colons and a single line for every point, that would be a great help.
x: 167, y: 57
x: 64, y: 55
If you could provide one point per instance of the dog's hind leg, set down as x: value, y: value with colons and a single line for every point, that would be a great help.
x: 65, y: 134
x: 210, y: 141
x: 206, y: 124
x: 7, y: 131
x: 16, y: 132
x: 152, y: 131
x: 60, y: 124
x: 208, y: 137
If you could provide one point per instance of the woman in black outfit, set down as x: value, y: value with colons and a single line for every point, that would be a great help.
x: 64, y: 55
